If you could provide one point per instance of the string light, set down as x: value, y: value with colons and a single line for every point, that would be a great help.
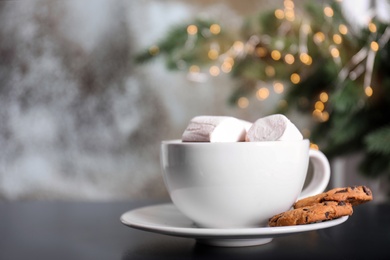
x: 214, y: 71
x: 227, y: 64
x: 321, y: 116
x: 279, y: 14
x: 215, y: 29
x: 276, y: 55
x: 319, y: 106
x: 288, y: 4
x: 278, y: 87
x: 243, y: 102
x: 289, y: 14
x: 300, y: 49
x: 192, y: 29
x: 334, y: 52
x: 262, y: 93
x: 343, y: 29
x: 324, y: 97
x: 289, y: 59
x: 194, y: 74
x: 319, y: 37
x: 317, y: 113
x: 314, y: 146
x: 324, y: 116
x: 372, y: 27
x: 194, y: 69
x: 229, y: 60
x: 226, y: 67
x: 305, y: 58
x: 238, y: 46
x: 337, y: 39
x: 213, y: 54
x: 368, y: 91
x: 295, y: 78
x: 374, y: 46
x: 328, y: 11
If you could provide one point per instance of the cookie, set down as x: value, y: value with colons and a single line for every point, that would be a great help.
x: 311, y: 214
x: 354, y: 195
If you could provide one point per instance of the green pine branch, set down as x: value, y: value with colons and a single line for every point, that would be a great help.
x: 378, y: 141
x: 356, y: 122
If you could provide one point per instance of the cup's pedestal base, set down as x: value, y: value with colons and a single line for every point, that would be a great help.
x: 234, y: 242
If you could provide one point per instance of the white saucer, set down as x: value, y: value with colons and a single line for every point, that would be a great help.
x: 167, y: 219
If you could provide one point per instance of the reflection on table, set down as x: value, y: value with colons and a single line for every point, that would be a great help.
x: 91, y: 230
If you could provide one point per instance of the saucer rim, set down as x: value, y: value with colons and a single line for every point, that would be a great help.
x: 192, y: 231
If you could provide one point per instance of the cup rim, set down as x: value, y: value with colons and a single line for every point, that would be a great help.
x: 180, y: 142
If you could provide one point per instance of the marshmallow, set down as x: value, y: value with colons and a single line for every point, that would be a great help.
x: 273, y: 128
x: 216, y: 129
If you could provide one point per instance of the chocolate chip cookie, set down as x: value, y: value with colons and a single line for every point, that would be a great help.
x: 309, y: 214
x: 354, y: 195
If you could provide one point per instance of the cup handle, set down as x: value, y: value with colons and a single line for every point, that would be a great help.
x: 321, y: 174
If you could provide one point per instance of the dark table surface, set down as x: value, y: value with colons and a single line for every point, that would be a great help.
x: 92, y: 230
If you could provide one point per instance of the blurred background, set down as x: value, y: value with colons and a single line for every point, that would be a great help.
x: 88, y: 89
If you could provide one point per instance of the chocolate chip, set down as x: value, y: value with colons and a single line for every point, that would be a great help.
x: 305, y: 209
x: 341, y: 203
x: 342, y: 191
x: 326, y: 214
x: 367, y: 190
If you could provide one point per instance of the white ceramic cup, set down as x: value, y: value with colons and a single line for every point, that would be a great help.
x: 243, y: 184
